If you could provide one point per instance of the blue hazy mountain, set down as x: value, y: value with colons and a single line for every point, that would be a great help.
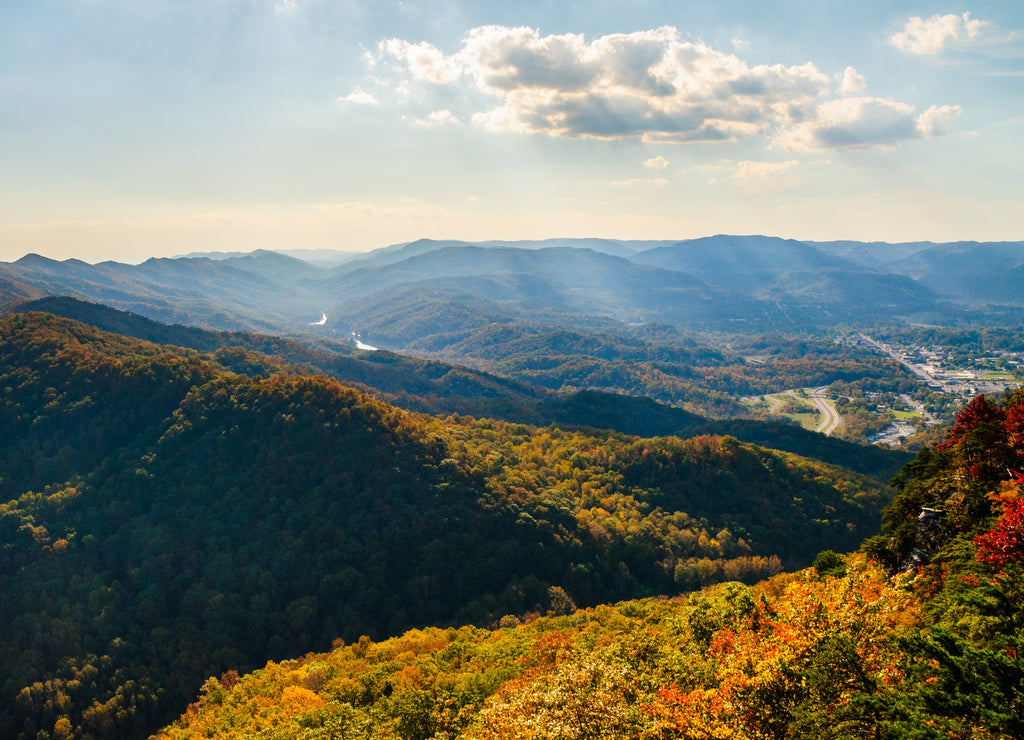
x: 431, y: 290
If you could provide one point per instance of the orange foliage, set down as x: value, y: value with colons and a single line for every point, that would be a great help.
x: 778, y: 641
x: 298, y: 699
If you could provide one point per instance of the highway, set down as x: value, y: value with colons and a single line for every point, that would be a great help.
x: 830, y: 418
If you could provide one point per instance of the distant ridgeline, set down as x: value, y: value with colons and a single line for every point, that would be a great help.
x: 173, y: 513
x: 432, y: 293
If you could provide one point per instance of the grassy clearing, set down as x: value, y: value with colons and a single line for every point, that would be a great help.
x: 806, y: 420
x: 997, y: 375
x: 795, y: 406
x: 906, y: 415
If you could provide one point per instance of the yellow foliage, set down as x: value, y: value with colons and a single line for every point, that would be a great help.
x: 298, y: 699
x: 410, y: 677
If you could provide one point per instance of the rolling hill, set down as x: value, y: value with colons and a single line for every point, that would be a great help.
x: 166, y: 519
x: 738, y: 284
x: 442, y: 388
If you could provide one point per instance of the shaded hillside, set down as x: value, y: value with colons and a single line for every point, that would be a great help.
x: 834, y: 297
x: 168, y: 520
x: 399, y: 252
x: 741, y: 263
x: 11, y: 290
x: 205, y: 340
x: 410, y: 314
x: 437, y: 387
x: 573, y: 280
x: 658, y: 362
x: 810, y: 286
x: 878, y: 462
x: 262, y: 290
x: 874, y: 255
x: 422, y: 385
x: 833, y: 288
x: 983, y: 272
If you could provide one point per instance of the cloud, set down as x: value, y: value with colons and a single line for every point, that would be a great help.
x: 762, y: 170
x: 410, y: 208
x: 657, y: 163
x: 648, y: 84
x: 634, y: 181
x: 654, y: 86
x: 861, y: 123
x: 937, y: 121
x: 708, y: 168
x: 439, y: 118
x: 930, y: 36
x: 425, y: 61
x: 359, y: 96
x: 851, y: 82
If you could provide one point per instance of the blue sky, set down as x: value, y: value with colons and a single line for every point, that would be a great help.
x: 138, y: 129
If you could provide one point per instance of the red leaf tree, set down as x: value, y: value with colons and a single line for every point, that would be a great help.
x: 1004, y: 543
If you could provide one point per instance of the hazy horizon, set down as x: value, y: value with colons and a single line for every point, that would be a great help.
x: 310, y: 254
x: 164, y: 128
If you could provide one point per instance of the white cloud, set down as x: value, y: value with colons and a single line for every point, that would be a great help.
x: 425, y: 61
x: 929, y: 36
x: 411, y: 208
x: 708, y: 168
x: 439, y: 118
x: 937, y: 121
x: 861, y: 123
x: 648, y: 84
x: 654, y: 86
x: 657, y: 163
x: 762, y: 170
x: 851, y: 82
x: 634, y: 181
x: 359, y: 96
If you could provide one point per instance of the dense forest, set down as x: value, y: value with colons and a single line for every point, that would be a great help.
x: 442, y: 388
x: 660, y: 362
x: 168, y: 518
x: 509, y: 367
x: 920, y: 637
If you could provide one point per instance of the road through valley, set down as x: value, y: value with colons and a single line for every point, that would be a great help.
x: 830, y: 418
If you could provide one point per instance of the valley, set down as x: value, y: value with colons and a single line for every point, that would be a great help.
x: 672, y: 321
x: 181, y: 518
x: 200, y: 477
x: 403, y: 370
x: 956, y: 373
x: 947, y: 379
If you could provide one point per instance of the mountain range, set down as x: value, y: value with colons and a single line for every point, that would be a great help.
x: 432, y: 293
x: 197, y: 475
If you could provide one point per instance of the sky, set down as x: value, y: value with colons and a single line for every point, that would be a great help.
x: 135, y: 129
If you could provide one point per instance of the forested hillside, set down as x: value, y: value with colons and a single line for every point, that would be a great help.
x: 924, y: 641
x: 167, y: 519
x: 437, y: 387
